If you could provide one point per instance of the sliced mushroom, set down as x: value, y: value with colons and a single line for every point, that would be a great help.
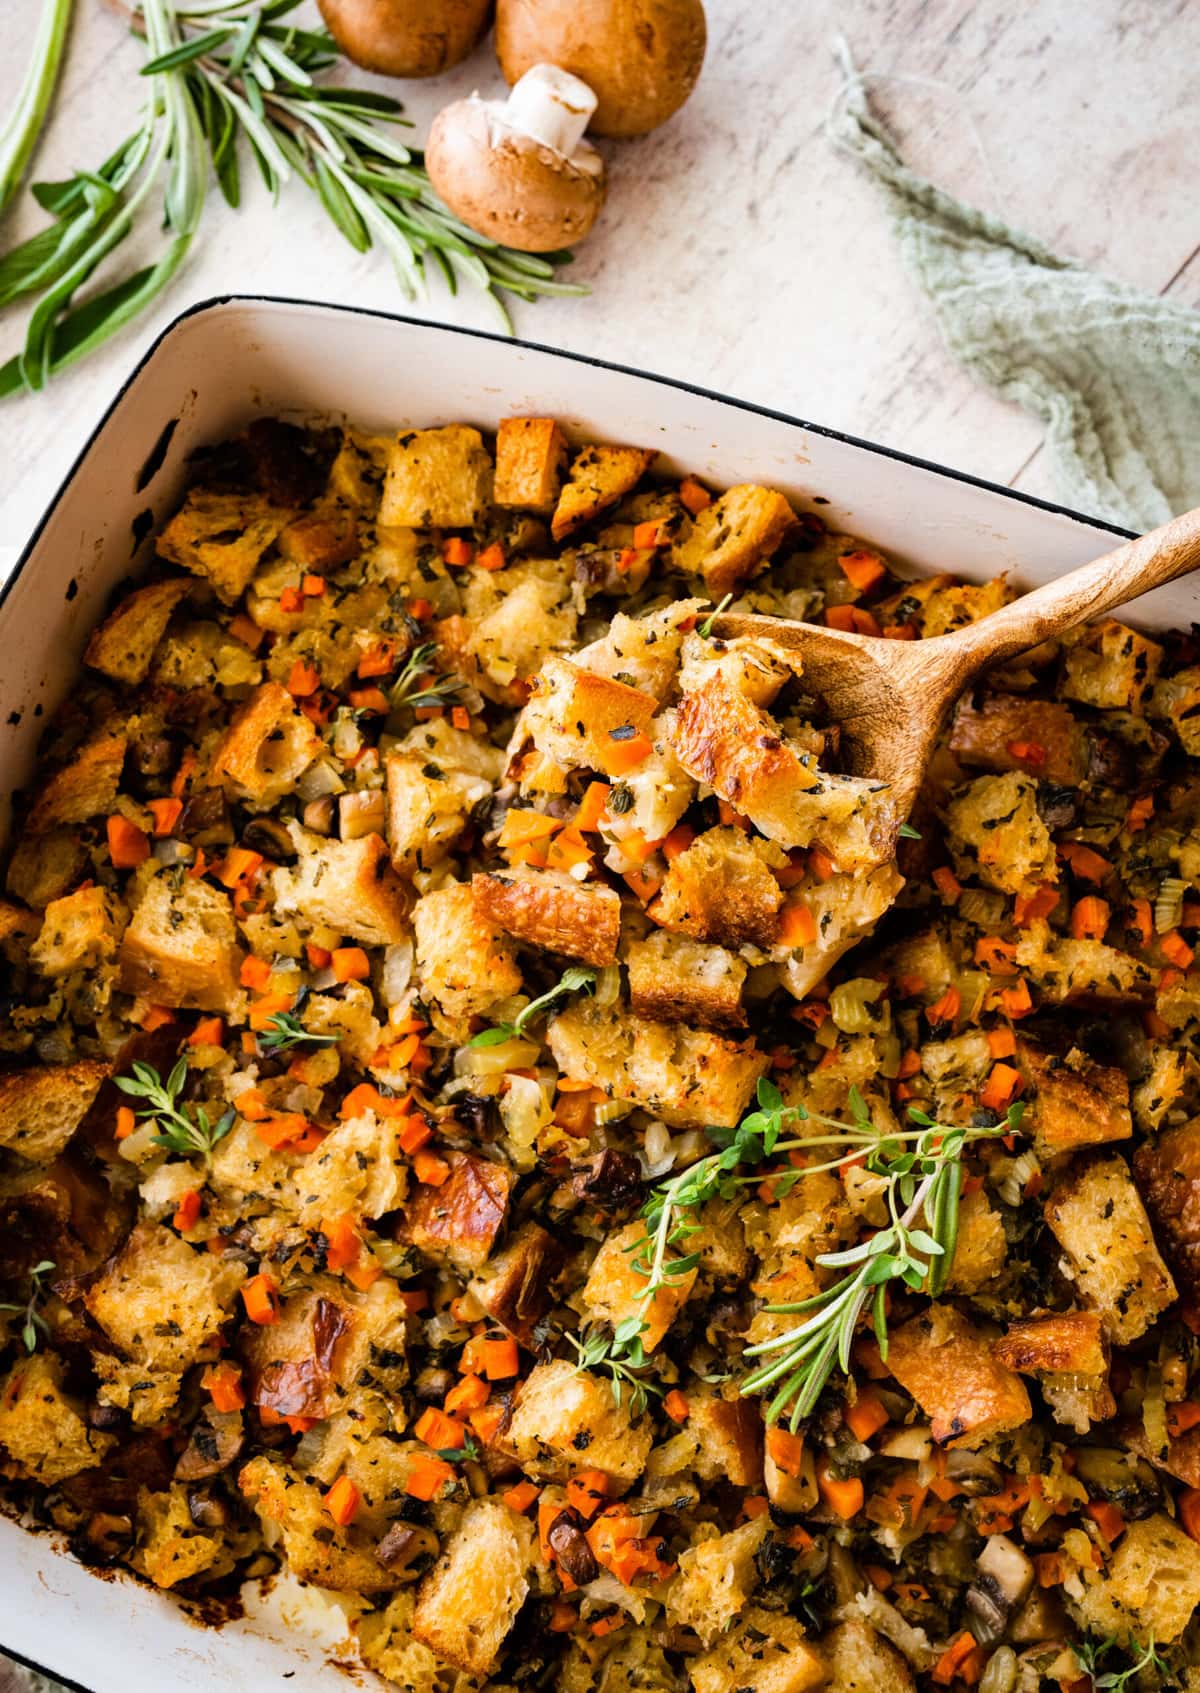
x: 266, y: 835
x: 404, y: 1544
x: 207, y: 1509
x: 568, y: 1542
x: 205, y: 819
x: 406, y: 37
x: 216, y: 1441
x: 1002, y: 1584
x: 519, y: 171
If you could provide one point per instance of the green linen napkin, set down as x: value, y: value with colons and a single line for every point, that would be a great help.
x: 1113, y: 373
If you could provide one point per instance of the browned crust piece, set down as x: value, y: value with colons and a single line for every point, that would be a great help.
x: 952, y: 1372
x: 724, y: 739
x: 720, y: 889
x: 266, y: 747
x: 41, y: 1107
x: 82, y: 789
x: 549, y: 909
x: 1167, y: 1173
x: 459, y: 1221
x: 123, y: 645
x: 598, y: 478
x: 530, y: 455
x: 1073, y: 1102
x: 517, y: 1288
x: 1059, y: 1343
x: 983, y: 737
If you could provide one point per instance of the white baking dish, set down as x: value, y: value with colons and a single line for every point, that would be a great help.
x: 215, y: 368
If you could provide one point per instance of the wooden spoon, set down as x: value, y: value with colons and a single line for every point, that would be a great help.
x: 891, y: 697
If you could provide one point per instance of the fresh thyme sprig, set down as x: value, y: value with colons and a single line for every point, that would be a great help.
x: 623, y: 1356
x: 1145, y: 1656
x: 411, y: 688
x: 231, y: 79
x: 467, y: 1453
x: 923, y: 1171
x: 574, y: 980
x: 706, y: 628
x: 187, y: 1136
x: 285, y: 1030
x: 34, y: 1323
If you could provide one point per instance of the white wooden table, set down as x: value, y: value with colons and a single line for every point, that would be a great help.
x: 738, y: 249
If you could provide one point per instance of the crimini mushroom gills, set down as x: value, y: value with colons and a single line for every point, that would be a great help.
x: 520, y: 170
x: 406, y: 37
x: 642, y: 57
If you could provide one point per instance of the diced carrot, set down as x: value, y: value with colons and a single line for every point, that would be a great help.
x: 785, y: 1449
x: 187, y: 1212
x: 127, y: 845
x: 350, y: 964
x: 900, y: 632
x: 567, y: 849
x: 1028, y: 752
x: 126, y: 1122
x: 676, y: 1406
x: 239, y: 865
x: 1107, y: 1518
x: 344, y: 1244
x: 427, y: 1476
x: 520, y: 827
x: 167, y: 813
x: 1083, y: 862
x: 342, y: 1501
x: 1089, y: 918
x: 607, y: 1624
x: 492, y: 557
x: 946, y: 883
x: 949, y: 1666
x: 319, y: 957
x: 467, y: 1394
x: 900, y: 1503
x: 844, y: 1498
x: 909, y: 1065
x: 460, y: 717
x: 862, y: 569
x: 500, y: 1359
x: 1030, y: 908
x: 456, y: 551
x: 363, y: 1274
x: 303, y: 679
x: 261, y: 1298
x: 587, y: 1492
x: 820, y: 863
x: 624, y: 752
x: 291, y: 600
x: 269, y: 1006
x: 312, y: 586
x: 694, y: 497
x: 1139, y: 814
x: 1173, y: 946
x: 252, y: 1105
x: 645, y: 535
x: 644, y: 886
x: 438, y: 1430
x: 373, y: 700
x: 1015, y: 1001
x: 998, y: 957
x: 245, y: 630
x: 430, y: 1169
x: 880, y: 1578
x: 1002, y: 1086
x: 1052, y: 1568
x: 487, y: 1421
x: 563, y: 1615
x: 413, y: 1135
x: 209, y: 1031
x: 156, y: 1017
x: 379, y: 659
x: 223, y: 1382
x: 1180, y: 1418
x: 521, y: 1496
x: 1002, y: 1043
x: 851, y: 619
x: 591, y: 807
x: 866, y: 1416
x: 945, y: 1009
x: 797, y: 926
x: 625, y: 560
x: 1189, y: 1511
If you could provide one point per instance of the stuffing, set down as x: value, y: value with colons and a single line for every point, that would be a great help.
x: 40, y: 1108
x: 181, y: 948
x: 955, y: 1376
x: 428, y: 807
x: 469, y: 1601
x: 350, y: 887
x: 995, y: 828
x: 716, y: 1579
x: 843, y: 909
x: 1071, y: 1102
x: 1068, y: 1354
x: 612, y: 1292
x: 124, y: 644
x: 859, y: 1660
x: 1167, y: 1173
x: 317, y: 1550
x: 579, y: 719
x: 1109, y: 666
x: 321, y: 541
x: 643, y: 652
x: 1003, y: 732
x: 43, y: 1430
x: 436, y: 478
x: 766, y: 1650
x: 732, y: 539
x: 597, y: 479
x: 1068, y: 971
x: 266, y: 749
x: 359, y: 1169
x: 728, y: 1433
x: 222, y: 536
x: 82, y: 789
x: 1150, y: 1588
x: 550, y: 909
x: 721, y: 889
x: 676, y: 980
x: 1098, y: 1218
x: 457, y: 1221
x: 465, y: 964
x: 81, y: 931
x: 531, y: 455
x: 516, y: 1285
x: 980, y: 1249
x: 170, y: 1547
x: 161, y: 1303
x: 516, y: 618
x: 565, y: 1417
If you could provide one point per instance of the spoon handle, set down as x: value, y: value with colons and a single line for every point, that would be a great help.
x: 1131, y: 569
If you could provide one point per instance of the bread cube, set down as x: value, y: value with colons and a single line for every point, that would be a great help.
x: 469, y: 1601
x: 1150, y: 1588
x: 721, y: 889
x: 43, y: 1429
x: 181, y: 947
x: 676, y: 980
x: 358, y: 1169
x: 349, y: 886
x: 688, y: 1077
x: 516, y: 1285
x: 566, y: 1418
x: 729, y: 1436
x: 458, y: 1222
x: 1099, y: 1220
x: 437, y: 479
x: 321, y: 540
x: 170, y: 1548
x: 79, y: 932
x: 843, y: 909
x: 1067, y: 971
x: 576, y: 717
x: 267, y: 747
x: 222, y: 536
x: 550, y: 909
x: 858, y: 1660
x: 951, y: 1370
x: 765, y: 1650
x: 1110, y: 666
x: 642, y: 651
x: 715, y: 1581
x: 161, y: 1303
x: 82, y: 789
x: 531, y: 454
x: 732, y: 539
x: 1171, y: 1087
x: 516, y: 618
x: 1004, y: 732
x: 1070, y: 1343
x: 598, y: 478
x: 996, y: 830
x: 1167, y: 1172
x: 315, y: 1549
x: 1177, y: 698
x: 357, y: 473
x: 614, y: 1289
x: 465, y: 963
x: 41, y: 1107
x: 123, y: 645
x: 1071, y: 1101
x: 980, y: 1250
x: 427, y: 809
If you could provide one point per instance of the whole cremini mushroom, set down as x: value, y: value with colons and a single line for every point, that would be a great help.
x: 642, y: 57
x: 406, y: 37
x: 519, y: 170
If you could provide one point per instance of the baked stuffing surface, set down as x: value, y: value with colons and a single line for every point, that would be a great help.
x: 496, y: 1124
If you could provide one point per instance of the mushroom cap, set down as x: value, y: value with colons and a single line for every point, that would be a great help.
x: 642, y: 57
x: 406, y: 37
x: 508, y: 186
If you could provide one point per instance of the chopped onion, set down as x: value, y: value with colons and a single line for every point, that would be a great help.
x: 1168, y: 906
x: 396, y: 976
x: 608, y: 985
x: 658, y: 1154
x: 524, y: 1110
x: 139, y: 1146
x: 515, y: 1054
x: 319, y: 780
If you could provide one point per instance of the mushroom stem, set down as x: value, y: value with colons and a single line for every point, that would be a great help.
x: 551, y: 106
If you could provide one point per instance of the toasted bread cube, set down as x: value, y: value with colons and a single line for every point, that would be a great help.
x: 266, y: 749
x: 42, y: 1427
x: 1060, y: 1343
x: 755, y: 667
x: 729, y: 1433
x: 357, y: 473
x: 123, y: 645
x: 321, y: 540
x: 1172, y: 1086
x: 843, y: 909
x: 996, y: 829
x: 458, y: 1222
x: 162, y: 1304
x: 715, y: 1580
x: 732, y: 539
x: 598, y: 478
x: 576, y: 717
x: 349, y: 886
x: 721, y: 889
x: 531, y: 454
x: 81, y: 789
x: 469, y: 1601
x: 79, y: 932
x: 567, y: 1417
x: 41, y: 1107
x: 1167, y: 1172
x: 43, y: 868
x: 676, y: 980
x: 1177, y: 698
x: 1150, y: 1588
x: 550, y: 909
x: 1110, y: 666
x: 1071, y: 1101
x: 858, y: 1660
x: 181, y: 947
x: 688, y: 1077
x: 765, y: 1650
x: 952, y: 1372
x: 315, y: 1549
x: 427, y: 809
x: 1008, y: 732
x: 516, y: 1285
x: 643, y: 651
x: 170, y: 1548
x: 437, y: 479
x: 980, y: 1249
x: 222, y: 536
x: 18, y: 928
x: 465, y: 964
x: 1099, y: 1220
x: 1067, y: 971
x: 359, y: 1169
x: 614, y: 1287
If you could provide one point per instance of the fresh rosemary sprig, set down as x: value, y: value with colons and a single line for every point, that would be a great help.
x: 622, y: 1356
x: 230, y: 79
x: 572, y: 981
x: 1091, y: 1655
x: 187, y: 1136
x: 20, y: 130
x: 34, y: 1323
x: 411, y: 688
